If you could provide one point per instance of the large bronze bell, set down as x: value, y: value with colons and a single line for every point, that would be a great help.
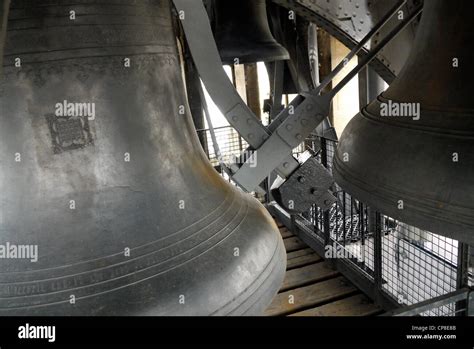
x: 243, y: 34
x: 410, y: 154
x: 101, y: 171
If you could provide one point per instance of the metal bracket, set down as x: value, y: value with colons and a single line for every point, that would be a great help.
x: 289, y: 134
x: 309, y: 185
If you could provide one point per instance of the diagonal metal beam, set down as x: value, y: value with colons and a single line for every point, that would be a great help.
x: 293, y: 128
x: 198, y: 32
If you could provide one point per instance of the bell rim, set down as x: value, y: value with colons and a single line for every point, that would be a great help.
x: 379, y: 198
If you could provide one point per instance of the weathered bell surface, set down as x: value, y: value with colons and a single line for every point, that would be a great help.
x: 102, y: 175
x: 243, y: 34
x: 410, y: 154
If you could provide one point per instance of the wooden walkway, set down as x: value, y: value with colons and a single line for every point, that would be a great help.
x: 312, y: 288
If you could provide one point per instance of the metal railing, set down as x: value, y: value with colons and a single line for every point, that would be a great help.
x: 230, y: 143
x: 394, y: 263
x: 402, y: 264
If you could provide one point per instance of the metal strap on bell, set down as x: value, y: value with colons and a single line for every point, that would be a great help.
x: 243, y: 34
x: 103, y: 176
x: 410, y: 154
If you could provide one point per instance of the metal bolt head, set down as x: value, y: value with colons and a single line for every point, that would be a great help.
x: 301, y: 179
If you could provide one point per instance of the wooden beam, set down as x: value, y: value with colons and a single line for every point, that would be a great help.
x: 300, y: 253
x: 285, y: 233
x: 253, y: 89
x: 309, y: 274
x: 310, y: 296
x: 294, y: 244
x: 358, y: 305
x: 345, y: 105
x: 325, y: 60
x: 239, y: 81
x: 302, y: 261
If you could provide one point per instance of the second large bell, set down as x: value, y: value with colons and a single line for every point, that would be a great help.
x: 410, y: 154
x: 243, y: 34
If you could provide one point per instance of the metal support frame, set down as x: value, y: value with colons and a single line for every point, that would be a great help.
x: 294, y: 124
x: 380, y: 273
x: 378, y: 253
x: 195, y: 22
x: 419, y: 308
x: 350, y: 21
x: 462, y: 277
x: 299, y: 120
x: 193, y: 84
x: 313, y: 239
x: 324, y: 162
x: 215, y: 145
x: 372, y: 285
x: 279, y: 74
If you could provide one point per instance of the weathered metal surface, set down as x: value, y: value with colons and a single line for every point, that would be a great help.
x: 309, y: 185
x: 350, y: 21
x: 243, y: 33
x: 206, y: 57
x: 126, y: 214
x: 410, y: 153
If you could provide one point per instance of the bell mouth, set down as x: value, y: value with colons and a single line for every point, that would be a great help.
x: 265, y: 52
x: 417, y: 211
x: 388, y: 161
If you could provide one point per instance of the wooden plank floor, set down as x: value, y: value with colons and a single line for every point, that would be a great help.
x: 312, y: 288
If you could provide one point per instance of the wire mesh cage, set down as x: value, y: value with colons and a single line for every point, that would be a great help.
x: 409, y: 264
x: 230, y: 144
x: 416, y: 265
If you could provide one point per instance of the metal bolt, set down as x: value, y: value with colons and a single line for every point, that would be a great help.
x: 286, y: 165
x: 289, y: 127
x: 235, y: 118
x: 298, y: 136
x: 301, y: 179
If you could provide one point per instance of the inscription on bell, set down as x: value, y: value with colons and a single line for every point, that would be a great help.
x: 69, y: 132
